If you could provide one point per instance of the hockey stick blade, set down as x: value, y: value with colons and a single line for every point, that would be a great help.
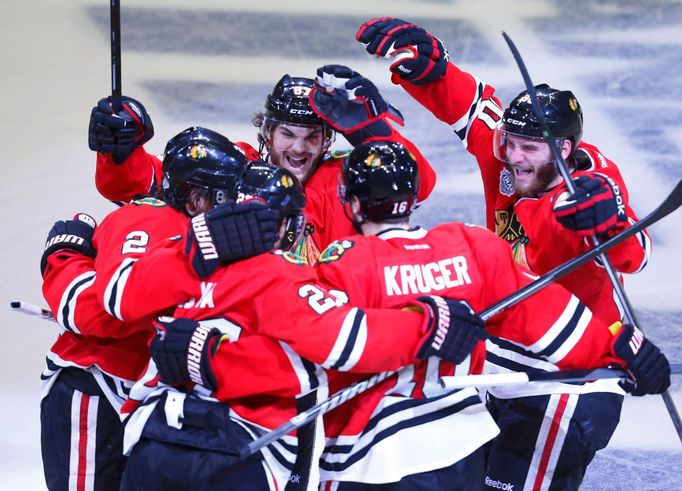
x: 670, y: 204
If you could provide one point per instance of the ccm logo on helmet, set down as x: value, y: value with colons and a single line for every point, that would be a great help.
x: 203, y: 236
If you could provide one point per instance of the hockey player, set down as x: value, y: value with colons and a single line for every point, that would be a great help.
x: 291, y: 135
x: 457, y: 261
x: 527, y: 205
x: 97, y: 357
x: 262, y: 321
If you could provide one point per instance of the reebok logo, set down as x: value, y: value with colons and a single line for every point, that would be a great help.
x: 64, y: 238
x: 443, y: 323
x: 204, y: 239
x: 196, y: 345
x: 619, y: 199
x: 504, y: 486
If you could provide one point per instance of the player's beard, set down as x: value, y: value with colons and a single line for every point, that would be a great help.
x: 545, y: 175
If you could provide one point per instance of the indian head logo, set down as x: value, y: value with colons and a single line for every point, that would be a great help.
x: 198, y: 152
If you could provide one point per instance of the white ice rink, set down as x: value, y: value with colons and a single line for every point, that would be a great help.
x: 211, y: 62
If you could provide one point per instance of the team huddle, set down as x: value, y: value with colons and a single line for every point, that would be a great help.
x: 236, y: 287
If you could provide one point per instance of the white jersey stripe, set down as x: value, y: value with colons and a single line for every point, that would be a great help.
x: 68, y: 302
x: 350, y: 342
x: 558, y: 327
x: 114, y: 290
x: 550, y: 441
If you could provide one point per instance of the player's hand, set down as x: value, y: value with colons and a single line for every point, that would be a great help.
x: 597, y: 206
x: 75, y: 235
x: 182, y: 350
x: 645, y: 362
x: 420, y: 57
x: 230, y: 232
x: 352, y: 104
x: 453, y: 329
x: 118, y: 125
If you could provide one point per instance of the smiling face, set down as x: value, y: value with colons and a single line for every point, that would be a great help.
x: 297, y: 148
x: 531, y: 164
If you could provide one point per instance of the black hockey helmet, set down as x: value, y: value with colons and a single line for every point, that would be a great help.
x: 280, y: 190
x: 383, y: 176
x: 200, y: 158
x: 289, y: 103
x: 561, y: 109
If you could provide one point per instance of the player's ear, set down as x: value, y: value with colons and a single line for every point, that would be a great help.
x: 197, y: 202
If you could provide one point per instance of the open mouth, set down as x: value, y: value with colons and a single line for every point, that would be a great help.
x: 296, y: 163
x: 522, y: 173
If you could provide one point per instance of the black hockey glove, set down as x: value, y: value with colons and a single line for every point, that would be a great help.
x: 597, y: 207
x: 420, y: 57
x: 75, y: 234
x: 352, y: 104
x: 182, y: 350
x: 453, y: 329
x: 118, y: 126
x: 230, y: 232
x: 645, y: 362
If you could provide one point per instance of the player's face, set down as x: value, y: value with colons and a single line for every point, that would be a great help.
x: 297, y: 148
x: 531, y: 165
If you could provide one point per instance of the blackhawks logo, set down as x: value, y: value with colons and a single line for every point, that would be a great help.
x: 335, y: 250
x: 149, y: 202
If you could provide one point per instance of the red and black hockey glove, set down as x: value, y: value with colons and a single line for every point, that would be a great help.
x: 453, y: 329
x: 421, y: 57
x: 597, y: 207
x: 75, y: 235
x: 118, y: 126
x: 352, y: 104
x: 230, y: 232
x: 182, y: 351
x: 645, y: 362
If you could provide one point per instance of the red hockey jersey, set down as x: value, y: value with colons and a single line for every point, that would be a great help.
x: 86, y: 297
x: 458, y: 261
x: 472, y: 109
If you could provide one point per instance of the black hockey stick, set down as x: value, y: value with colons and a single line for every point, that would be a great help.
x: 115, y: 19
x: 628, y: 311
x: 670, y: 204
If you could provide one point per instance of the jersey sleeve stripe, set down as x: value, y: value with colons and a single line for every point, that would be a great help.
x: 560, y: 330
x: 68, y: 303
x: 350, y: 343
x: 114, y: 290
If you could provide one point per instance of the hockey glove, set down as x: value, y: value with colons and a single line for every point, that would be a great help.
x: 352, y: 104
x: 647, y: 365
x: 597, y: 206
x: 182, y: 350
x: 118, y: 126
x: 230, y: 232
x: 420, y: 57
x: 453, y: 329
x: 75, y: 234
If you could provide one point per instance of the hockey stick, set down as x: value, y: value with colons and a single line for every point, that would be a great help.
x: 670, y: 204
x: 520, y: 378
x: 30, y: 309
x: 628, y: 311
x: 115, y: 29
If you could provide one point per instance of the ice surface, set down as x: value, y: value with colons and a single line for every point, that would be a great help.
x: 212, y: 62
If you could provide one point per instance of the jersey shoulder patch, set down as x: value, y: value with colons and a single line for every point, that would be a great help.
x: 337, y: 154
x: 157, y: 203
x: 335, y: 250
